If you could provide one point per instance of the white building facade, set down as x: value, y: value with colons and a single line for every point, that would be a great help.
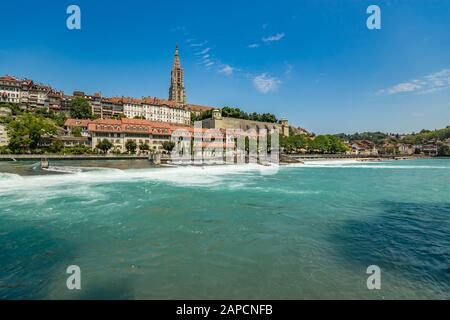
x: 156, y: 110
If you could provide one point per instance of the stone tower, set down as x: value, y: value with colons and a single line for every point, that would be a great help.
x: 176, y: 91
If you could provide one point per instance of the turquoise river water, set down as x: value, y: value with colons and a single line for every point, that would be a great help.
x: 230, y: 232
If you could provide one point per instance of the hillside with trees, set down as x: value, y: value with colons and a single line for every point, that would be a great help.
x: 379, y: 138
x: 427, y: 135
x: 319, y: 144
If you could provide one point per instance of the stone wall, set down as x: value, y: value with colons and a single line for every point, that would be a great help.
x: 234, y: 123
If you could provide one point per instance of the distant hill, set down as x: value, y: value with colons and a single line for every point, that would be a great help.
x: 376, y: 137
x: 379, y: 138
x: 425, y: 136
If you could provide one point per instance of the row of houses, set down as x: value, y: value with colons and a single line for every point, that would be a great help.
x: 118, y: 132
x: 32, y: 96
x: 24, y: 92
x: 368, y: 148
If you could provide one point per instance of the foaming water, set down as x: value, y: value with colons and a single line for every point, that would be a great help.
x: 9, y: 176
x: 230, y: 232
x: 363, y: 165
x: 187, y: 175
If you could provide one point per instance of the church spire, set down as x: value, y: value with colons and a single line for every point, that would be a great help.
x: 176, y: 59
x: 176, y: 91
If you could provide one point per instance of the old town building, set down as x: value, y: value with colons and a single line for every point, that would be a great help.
x: 119, y: 132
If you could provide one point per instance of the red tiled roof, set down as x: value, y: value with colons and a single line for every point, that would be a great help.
x: 113, y: 100
x: 77, y: 122
x: 160, y: 102
x: 129, y: 100
x: 194, y: 107
x: 364, y: 144
x: 9, y: 78
x: 136, y: 126
x: 130, y: 125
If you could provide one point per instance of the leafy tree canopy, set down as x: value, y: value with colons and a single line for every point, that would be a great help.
x: 27, y: 131
x: 104, y: 145
x: 144, y: 147
x: 238, y: 114
x: 80, y: 108
x: 131, y: 146
x: 320, y: 144
x: 168, y: 145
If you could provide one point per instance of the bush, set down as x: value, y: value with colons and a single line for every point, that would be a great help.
x: 131, y: 146
x: 5, y: 150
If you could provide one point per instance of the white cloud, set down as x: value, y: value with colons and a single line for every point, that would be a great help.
x: 253, y: 45
x: 201, y: 44
x: 428, y: 84
x: 273, y: 38
x: 265, y: 83
x: 204, y: 51
x: 227, y: 70
x: 405, y: 87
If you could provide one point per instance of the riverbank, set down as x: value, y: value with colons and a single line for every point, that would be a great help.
x: 283, y: 157
x: 37, y: 157
x: 298, y: 158
x: 31, y: 165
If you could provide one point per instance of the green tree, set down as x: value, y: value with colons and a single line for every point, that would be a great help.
x: 60, y: 118
x: 239, y: 114
x: 76, y: 131
x: 203, y: 115
x: 335, y: 145
x: 105, y: 145
x: 80, y: 108
x: 28, y: 131
x: 56, y: 146
x: 144, y: 147
x: 5, y: 150
x: 444, y: 151
x: 131, y: 146
x: 77, y: 149
x: 168, y: 145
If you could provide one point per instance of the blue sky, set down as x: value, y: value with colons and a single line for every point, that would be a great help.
x: 313, y: 62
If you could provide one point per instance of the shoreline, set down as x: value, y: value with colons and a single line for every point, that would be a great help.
x: 38, y: 157
x: 34, y: 167
x: 284, y: 158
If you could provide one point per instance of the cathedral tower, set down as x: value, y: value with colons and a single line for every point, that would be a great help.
x: 176, y: 91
